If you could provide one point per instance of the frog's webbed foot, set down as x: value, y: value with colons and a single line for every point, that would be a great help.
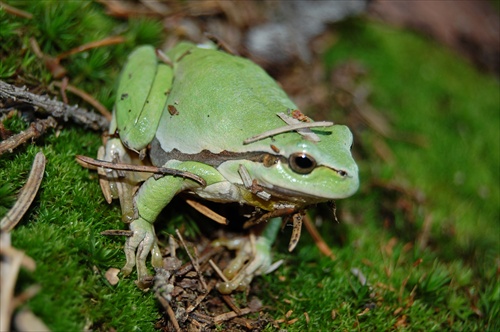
x: 253, y: 258
x: 138, y: 246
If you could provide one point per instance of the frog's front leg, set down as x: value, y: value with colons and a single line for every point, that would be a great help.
x: 152, y: 197
x: 252, y: 258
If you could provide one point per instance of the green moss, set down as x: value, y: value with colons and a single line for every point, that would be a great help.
x: 428, y: 91
x: 421, y: 87
x: 61, y: 229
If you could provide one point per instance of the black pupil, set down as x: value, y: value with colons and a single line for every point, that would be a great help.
x: 303, y: 162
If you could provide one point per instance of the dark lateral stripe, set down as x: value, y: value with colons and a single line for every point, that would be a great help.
x: 160, y: 157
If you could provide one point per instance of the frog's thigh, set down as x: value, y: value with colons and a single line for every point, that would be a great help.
x: 151, y: 198
x: 155, y: 194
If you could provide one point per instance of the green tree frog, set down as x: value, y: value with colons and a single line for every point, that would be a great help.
x: 233, y: 135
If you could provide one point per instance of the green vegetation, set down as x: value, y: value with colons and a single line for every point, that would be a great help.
x: 451, y: 283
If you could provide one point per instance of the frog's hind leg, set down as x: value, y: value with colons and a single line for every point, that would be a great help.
x: 124, y: 186
x: 149, y: 201
x: 253, y: 258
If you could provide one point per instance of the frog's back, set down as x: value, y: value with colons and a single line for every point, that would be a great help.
x: 220, y: 100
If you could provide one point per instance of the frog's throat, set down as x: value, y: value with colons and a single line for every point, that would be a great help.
x: 159, y: 157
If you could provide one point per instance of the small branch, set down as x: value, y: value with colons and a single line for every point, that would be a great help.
x: 265, y: 217
x: 207, y: 212
x: 91, y: 163
x: 320, y: 243
x: 54, y: 107
x: 99, y: 43
x: 8, y: 284
x: 170, y: 312
x: 202, y: 259
x: 229, y: 301
x: 200, y: 298
x: 6, y: 250
x: 230, y: 315
x: 27, y: 294
x: 85, y: 96
x: 306, y: 132
x: 286, y: 129
x: 195, y: 262
x: 218, y: 271
x: 35, y: 130
x: 15, y: 11
x: 26, y: 196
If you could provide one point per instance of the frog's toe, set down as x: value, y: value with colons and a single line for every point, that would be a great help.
x: 252, y: 259
x: 138, y: 246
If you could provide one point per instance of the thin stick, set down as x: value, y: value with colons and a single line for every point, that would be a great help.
x: 8, y: 283
x: 320, y: 243
x: 423, y: 238
x: 85, y: 96
x: 27, y: 294
x: 200, y: 298
x: 195, y: 263
x: 231, y: 304
x: 27, y: 262
x: 170, y: 312
x: 207, y: 212
x: 306, y: 132
x: 201, y: 318
x: 56, y: 108
x: 218, y: 271
x: 85, y: 161
x: 26, y: 195
x: 288, y: 128
x: 35, y: 130
x: 99, y: 43
x: 15, y: 11
x: 275, y: 213
x: 229, y: 315
x: 202, y: 259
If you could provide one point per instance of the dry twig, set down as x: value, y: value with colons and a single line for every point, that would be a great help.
x: 35, y: 130
x: 231, y: 314
x: 207, y: 212
x: 86, y: 97
x: 26, y: 196
x: 195, y: 262
x: 56, y: 108
x: 92, y: 163
x: 15, y: 11
x: 170, y: 312
x: 320, y: 243
x: 12, y: 260
x: 201, y: 297
x: 95, y: 44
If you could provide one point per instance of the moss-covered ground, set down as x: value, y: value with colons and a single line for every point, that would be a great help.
x: 447, y: 282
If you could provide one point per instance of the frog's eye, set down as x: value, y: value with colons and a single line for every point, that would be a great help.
x: 301, y: 163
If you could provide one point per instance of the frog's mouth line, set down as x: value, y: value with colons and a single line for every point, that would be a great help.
x: 293, y: 196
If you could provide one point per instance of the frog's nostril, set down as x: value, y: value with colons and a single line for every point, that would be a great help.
x: 342, y: 173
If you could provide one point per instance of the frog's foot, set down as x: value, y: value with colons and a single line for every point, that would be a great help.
x: 138, y: 246
x: 253, y: 258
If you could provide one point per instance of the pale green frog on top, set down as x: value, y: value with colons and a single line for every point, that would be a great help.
x: 193, y: 112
